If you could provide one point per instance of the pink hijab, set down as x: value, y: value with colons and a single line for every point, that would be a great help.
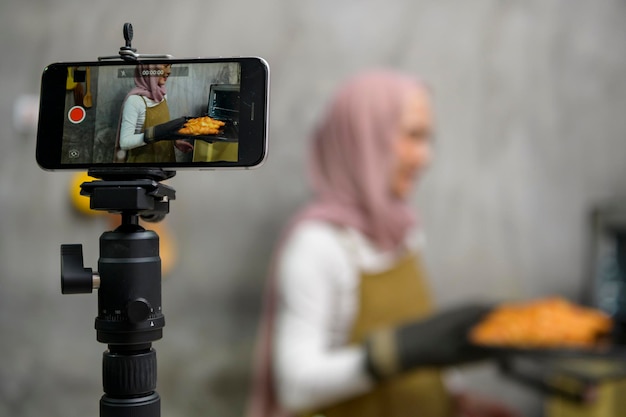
x: 351, y: 161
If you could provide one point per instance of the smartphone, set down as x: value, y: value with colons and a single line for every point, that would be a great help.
x: 202, y: 113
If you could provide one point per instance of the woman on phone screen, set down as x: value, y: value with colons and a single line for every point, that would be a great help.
x: 146, y: 133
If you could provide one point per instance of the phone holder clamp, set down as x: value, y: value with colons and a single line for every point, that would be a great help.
x: 128, y: 53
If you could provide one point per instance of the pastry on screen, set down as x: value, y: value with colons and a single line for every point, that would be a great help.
x: 544, y: 323
x: 201, y: 126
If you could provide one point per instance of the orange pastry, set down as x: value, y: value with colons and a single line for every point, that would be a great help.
x: 550, y: 322
x: 201, y: 126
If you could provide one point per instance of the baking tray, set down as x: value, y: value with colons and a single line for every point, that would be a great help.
x: 596, y: 362
x: 220, y: 137
x: 229, y: 133
x: 600, y: 350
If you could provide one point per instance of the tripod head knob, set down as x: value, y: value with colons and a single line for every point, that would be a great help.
x: 138, y: 310
x: 75, y: 278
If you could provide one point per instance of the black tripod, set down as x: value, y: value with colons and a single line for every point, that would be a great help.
x: 128, y: 280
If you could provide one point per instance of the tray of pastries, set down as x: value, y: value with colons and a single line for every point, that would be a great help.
x: 207, y: 129
x: 201, y: 126
x: 551, y: 325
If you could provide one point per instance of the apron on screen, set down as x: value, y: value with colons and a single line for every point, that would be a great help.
x: 162, y: 151
x: 388, y: 298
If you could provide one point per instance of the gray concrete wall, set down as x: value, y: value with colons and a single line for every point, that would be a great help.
x: 530, y: 99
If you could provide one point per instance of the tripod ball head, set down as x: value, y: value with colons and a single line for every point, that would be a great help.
x: 129, y: 297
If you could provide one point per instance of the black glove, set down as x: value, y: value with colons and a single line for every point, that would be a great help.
x: 164, y: 131
x: 439, y: 340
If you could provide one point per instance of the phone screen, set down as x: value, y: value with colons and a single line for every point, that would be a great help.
x: 171, y: 113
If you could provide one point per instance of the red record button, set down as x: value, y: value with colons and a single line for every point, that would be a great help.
x: 76, y: 114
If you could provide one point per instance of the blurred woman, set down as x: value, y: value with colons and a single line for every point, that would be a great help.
x: 349, y: 327
x: 146, y: 133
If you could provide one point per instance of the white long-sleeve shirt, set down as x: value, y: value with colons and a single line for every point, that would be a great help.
x: 318, y: 275
x: 133, y: 119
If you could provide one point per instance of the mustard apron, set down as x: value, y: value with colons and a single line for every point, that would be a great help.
x: 162, y: 151
x: 387, y: 299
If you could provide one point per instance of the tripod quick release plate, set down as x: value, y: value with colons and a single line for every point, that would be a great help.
x: 133, y: 192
